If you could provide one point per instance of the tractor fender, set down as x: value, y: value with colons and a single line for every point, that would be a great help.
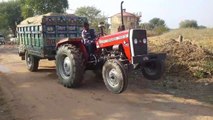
x: 74, y: 41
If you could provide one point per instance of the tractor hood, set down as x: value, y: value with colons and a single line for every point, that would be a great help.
x: 114, y: 39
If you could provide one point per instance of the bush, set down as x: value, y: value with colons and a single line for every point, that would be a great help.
x: 156, y: 26
x: 160, y: 30
x: 202, y: 27
x: 188, y: 24
x: 147, y: 26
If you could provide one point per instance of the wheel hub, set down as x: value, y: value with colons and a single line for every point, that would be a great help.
x: 112, y: 79
x: 67, y: 65
x: 151, y: 68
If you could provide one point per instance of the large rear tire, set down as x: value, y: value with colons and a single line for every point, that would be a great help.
x: 69, y: 66
x: 32, y: 62
x: 153, y: 70
x: 115, y: 77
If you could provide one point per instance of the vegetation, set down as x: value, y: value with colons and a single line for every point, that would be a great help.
x: 188, y: 24
x: 156, y: 26
x: 10, y: 15
x: 93, y: 15
x: 37, y: 7
x: 12, y: 12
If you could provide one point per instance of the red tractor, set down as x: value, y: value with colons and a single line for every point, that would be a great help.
x: 115, y: 55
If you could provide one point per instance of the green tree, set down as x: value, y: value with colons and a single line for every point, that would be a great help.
x: 155, y: 26
x: 37, y: 7
x: 188, y: 24
x: 157, y: 22
x: 93, y: 15
x: 26, y: 9
x: 10, y: 15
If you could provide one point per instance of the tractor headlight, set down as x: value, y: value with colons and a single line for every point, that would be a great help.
x: 135, y: 41
x: 144, y: 40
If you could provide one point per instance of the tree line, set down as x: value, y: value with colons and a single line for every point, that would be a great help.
x: 157, y: 26
x: 13, y: 12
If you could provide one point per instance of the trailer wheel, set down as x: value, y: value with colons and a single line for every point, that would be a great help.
x: 32, y: 62
x: 69, y: 65
x: 115, y: 77
x: 153, y: 70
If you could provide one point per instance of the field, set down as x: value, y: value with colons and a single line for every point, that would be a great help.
x: 201, y: 37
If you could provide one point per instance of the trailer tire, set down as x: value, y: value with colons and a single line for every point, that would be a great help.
x: 32, y: 62
x: 69, y: 66
x: 115, y: 77
x: 153, y: 70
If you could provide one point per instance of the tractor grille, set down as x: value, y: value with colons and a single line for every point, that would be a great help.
x: 138, y: 42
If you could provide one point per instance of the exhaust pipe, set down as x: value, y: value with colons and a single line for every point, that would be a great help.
x: 122, y: 17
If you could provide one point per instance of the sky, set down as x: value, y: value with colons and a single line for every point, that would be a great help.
x: 172, y: 11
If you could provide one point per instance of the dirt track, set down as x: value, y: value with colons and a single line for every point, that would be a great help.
x: 38, y: 96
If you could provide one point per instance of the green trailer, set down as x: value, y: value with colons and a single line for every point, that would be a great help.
x: 39, y: 35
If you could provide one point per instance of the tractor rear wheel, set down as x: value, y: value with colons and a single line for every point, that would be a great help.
x: 115, y: 77
x: 32, y: 62
x: 69, y: 65
x: 153, y: 70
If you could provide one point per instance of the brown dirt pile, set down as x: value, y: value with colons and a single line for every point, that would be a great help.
x: 185, y: 59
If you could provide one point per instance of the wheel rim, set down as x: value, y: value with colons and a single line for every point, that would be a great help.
x: 112, y: 78
x: 67, y: 66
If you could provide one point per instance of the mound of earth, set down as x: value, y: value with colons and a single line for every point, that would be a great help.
x: 185, y: 58
x: 189, y: 68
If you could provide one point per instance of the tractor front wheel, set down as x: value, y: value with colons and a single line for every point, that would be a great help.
x: 69, y: 65
x: 115, y: 77
x: 153, y: 70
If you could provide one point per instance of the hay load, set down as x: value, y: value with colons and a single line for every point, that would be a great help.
x: 37, y: 19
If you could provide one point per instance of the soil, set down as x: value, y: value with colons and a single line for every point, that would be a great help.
x: 5, y: 113
x: 39, y: 96
x: 185, y: 58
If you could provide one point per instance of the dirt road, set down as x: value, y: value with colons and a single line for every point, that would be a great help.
x: 38, y: 96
